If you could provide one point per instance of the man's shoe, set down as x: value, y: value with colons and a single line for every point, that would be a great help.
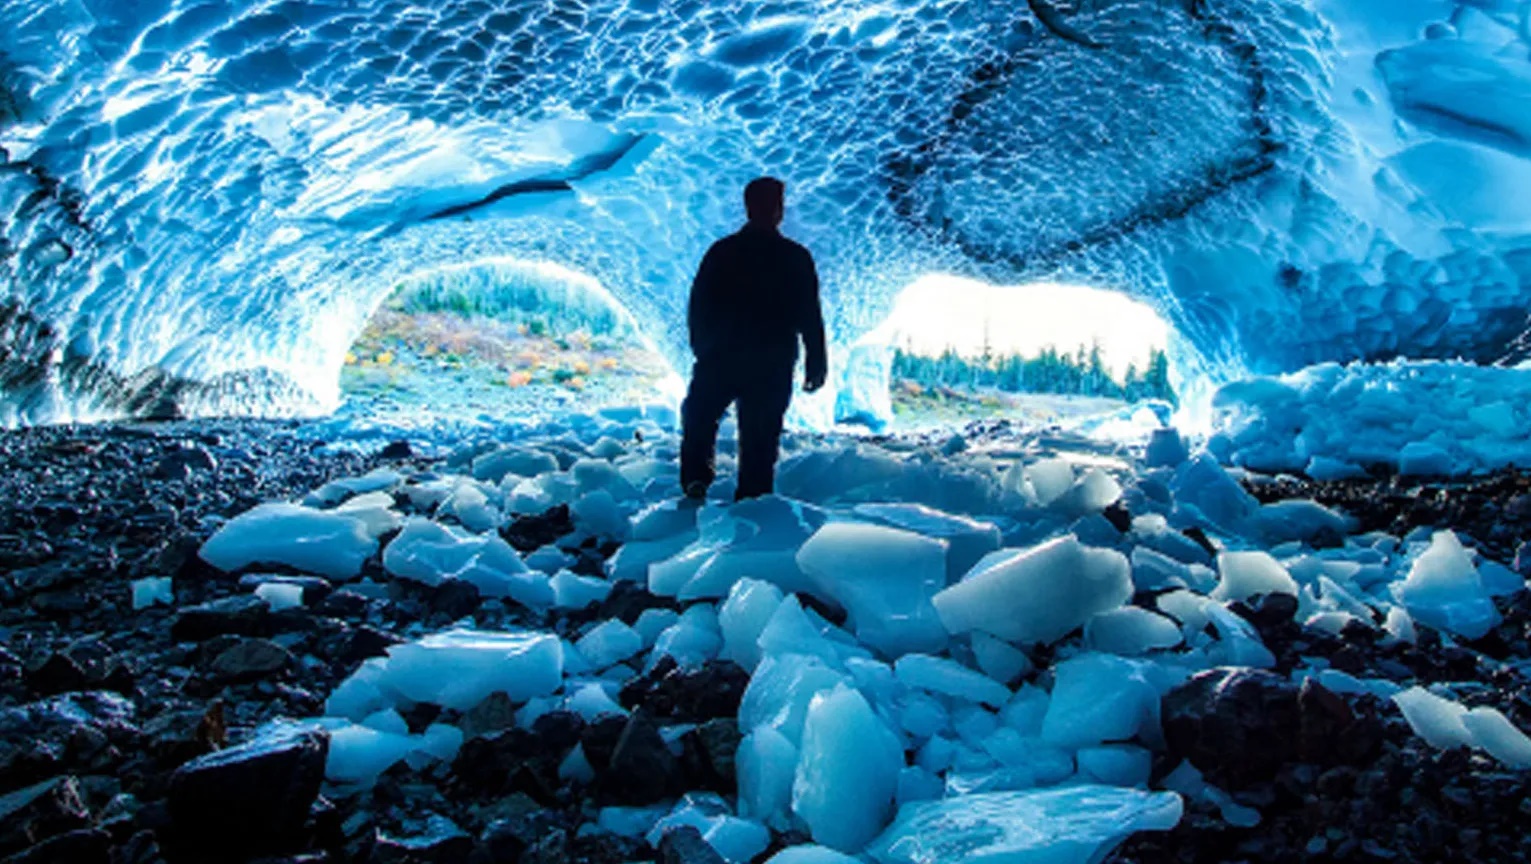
x: 696, y: 490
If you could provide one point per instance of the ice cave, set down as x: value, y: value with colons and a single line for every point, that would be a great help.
x: 1158, y: 491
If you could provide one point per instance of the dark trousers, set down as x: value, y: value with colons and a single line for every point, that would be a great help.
x: 762, y: 396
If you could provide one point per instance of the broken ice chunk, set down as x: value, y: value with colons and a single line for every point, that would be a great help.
x: 1494, y: 732
x: 1245, y: 574
x: 847, y: 771
x: 608, y: 643
x: 1130, y: 631
x: 313, y: 541
x: 884, y: 578
x: 1443, y: 589
x: 1437, y: 720
x: 967, y: 540
x: 810, y: 854
x: 1071, y: 825
x: 743, y: 617
x: 1100, y: 698
x: 999, y: 659
x: 766, y: 763
x: 459, y: 668
x: 940, y: 675
x: 154, y: 589
x: 1038, y: 596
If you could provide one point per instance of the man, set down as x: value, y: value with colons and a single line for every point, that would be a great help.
x: 755, y: 294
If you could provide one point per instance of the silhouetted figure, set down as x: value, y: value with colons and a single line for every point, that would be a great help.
x: 756, y: 293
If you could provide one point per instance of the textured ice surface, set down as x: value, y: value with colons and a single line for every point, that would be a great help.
x: 152, y: 590
x: 326, y: 543
x: 1332, y: 421
x: 1283, y: 182
x: 455, y: 669
x: 847, y: 771
x: 1071, y: 825
x: 1245, y: 574
x: 1099, y: 698
x: 884, y: 577
x: 949, y: 678
x: 1444, y: 590
x: 1038, y: 596
x: 430, y: 553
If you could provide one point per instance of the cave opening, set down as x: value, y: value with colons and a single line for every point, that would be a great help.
x: 956, y: 350
x: 503, y: 337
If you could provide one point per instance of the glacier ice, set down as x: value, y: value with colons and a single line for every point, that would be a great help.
x: 1071, y: 825
x: 1443, y: 589
x: 326, y: 543
x: 1266, y: 172
x: 1098, y: 698
x: 847, y: 771
x: 884, y: 577
x: 454, y: 669
x: 1040, y: 595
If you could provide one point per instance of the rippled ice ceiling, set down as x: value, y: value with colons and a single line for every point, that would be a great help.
x: 203, y: 201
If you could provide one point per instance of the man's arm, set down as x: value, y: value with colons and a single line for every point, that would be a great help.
x: 812, y: 327
x: 701, y: 316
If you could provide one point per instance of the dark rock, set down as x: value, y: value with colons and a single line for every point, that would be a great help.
x: 455, y: 598
x: 1240, y: 727
x: 240, y: 615
x: 528, y: 533
x: 396, y: 450
x: 486, y: 763
x: 491, y: 715
x: 83, y: 846
x: 79, y: 732
x: 519, y: 824
x: 628, y: 600
x: 642, y: 769
x: 1266, y: 611
x: 600, y: 738
x: 255, y: 797
x: 57, y: 673
x: 684, y: 845
x: 1119, y: 516
x: 344, y: 604
x: 691, y: 696
x: 559, y: 731
x: 420, y: 716
x: 360, y: 643
x: 248, y: 660
x: 29, y: 816
x: 1201, y: 539
x: 707, y: 759
x: 437, y: 840
x: 182, y: 463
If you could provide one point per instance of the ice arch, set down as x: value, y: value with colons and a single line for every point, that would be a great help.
x: 196, y: 194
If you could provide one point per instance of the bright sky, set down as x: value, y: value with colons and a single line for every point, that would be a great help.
x: 939, y: 311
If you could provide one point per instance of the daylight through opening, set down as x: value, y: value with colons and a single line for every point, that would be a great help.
x: 505, y: 337
x: 959, y: 349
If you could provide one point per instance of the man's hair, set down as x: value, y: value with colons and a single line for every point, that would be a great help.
x: 763, y: 196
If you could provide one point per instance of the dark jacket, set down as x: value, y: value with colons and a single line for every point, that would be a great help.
x: 755, y: 294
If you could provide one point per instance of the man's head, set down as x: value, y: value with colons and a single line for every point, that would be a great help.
x: 764, y: 201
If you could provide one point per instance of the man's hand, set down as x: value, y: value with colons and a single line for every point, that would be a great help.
x: 813, y: 382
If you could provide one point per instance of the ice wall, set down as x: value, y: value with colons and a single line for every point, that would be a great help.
x: 201, y: 202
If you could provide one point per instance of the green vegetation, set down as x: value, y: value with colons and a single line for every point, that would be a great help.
x: 516, y: 295
x: 1080, y: 374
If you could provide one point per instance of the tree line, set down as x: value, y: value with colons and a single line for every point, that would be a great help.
x: 1082, y: 373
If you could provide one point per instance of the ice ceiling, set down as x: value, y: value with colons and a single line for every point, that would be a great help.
x: 203, y: 201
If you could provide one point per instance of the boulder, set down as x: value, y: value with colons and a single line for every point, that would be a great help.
x: 251, y: 798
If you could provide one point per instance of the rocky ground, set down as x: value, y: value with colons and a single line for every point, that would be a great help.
x: 105, y: 707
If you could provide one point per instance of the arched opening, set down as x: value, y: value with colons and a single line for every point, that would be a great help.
x: 505, y: 337
x: 954, y: 350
